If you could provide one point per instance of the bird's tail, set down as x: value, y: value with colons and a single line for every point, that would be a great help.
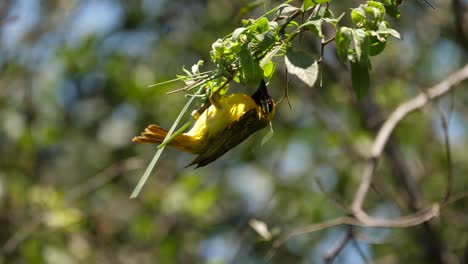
x: 156, y: 134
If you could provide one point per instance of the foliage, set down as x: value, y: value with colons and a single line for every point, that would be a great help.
x: 74, y: 91
x: 246, y: 54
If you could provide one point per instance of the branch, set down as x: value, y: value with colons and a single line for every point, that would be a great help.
x: 359, y: 217
x: 332, y: 253
x: 362, y: 219
x: 386, y: 130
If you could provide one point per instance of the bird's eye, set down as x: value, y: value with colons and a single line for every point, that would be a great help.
x: 270, y: 105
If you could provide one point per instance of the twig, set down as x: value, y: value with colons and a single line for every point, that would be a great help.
x: 359, y: 250
x: 290, y: 18
x: 330, y: 196
x: 286, y: 91
x: 320, y: 60
x: 363, y: 220
x: 322, y: 47
x: 386, y: 130
x: 337, y: 247
x: 456, y: 198
x: 305, y: 230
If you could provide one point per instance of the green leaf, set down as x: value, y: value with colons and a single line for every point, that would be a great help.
x: 389, y: 31
x: 306, y: 4
x: 237, y: 32
x: 376, y: 46
x: 269, y: 70
x: 248, y: 22
x: 250, y: 71
x: 315, y: 26
x: 360, y: 78
x: 267, y: 42
x: 358, y: 16
x: 261, y: 25
x: 329, y: 18
x: 286, y: 9
x: 273, y: 25
x: 391, y: 7
x: 393, y: 11
x: 302, y: 65
x: 270, y: 55
x: 360, y: 44
x: 376, y: 9
x: 343, y: 43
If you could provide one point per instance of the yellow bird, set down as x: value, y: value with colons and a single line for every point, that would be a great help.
x: 222, y: 126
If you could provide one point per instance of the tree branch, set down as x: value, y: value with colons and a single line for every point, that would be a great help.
x: 361, y: 218
x: 389, y: 126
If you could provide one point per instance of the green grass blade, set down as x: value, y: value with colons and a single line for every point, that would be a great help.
x: 152, y: 164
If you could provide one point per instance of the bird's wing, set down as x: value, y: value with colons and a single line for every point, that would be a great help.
x: 232, y: 136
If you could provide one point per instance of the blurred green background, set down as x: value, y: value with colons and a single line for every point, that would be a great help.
x: 74, y: 90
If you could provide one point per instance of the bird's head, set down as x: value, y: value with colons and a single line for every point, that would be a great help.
x: 264, y: 100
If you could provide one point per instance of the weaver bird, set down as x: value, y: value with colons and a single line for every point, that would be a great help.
x: 222, y: 126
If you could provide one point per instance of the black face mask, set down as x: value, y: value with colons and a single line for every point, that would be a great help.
x: 263, y: 98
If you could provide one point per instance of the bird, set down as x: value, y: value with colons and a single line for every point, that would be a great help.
x: 220, y: 127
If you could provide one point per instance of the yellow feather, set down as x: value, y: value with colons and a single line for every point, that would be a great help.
x: 215, y: 120
x: 223, y: 125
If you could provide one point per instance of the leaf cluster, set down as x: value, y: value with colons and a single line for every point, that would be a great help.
x: 368, y: 37
x: 246, y: 55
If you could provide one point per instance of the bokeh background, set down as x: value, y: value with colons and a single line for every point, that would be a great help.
x: 74, y: 79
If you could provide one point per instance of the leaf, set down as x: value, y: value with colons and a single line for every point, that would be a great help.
x: 391, y: 7
x: 360, y: 78
x: 376, y: 46
x: 285, y: 9
x: 392, y: 10
x: 376, y: 9
x: 250, y: 71
x: 269, y: 70
x: 361, y: 44
x: 315, y: 26
x: 343, y: 43
x: 306, y: 4
x: 267, y: 42
x: 302, y: 65
x: 237, y: 33
x: 270, y: 55
x: 273, y: 25
x: 389, y: 31
x: 358, y: 16
x: 261, y: 25
x: 329, y: 18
